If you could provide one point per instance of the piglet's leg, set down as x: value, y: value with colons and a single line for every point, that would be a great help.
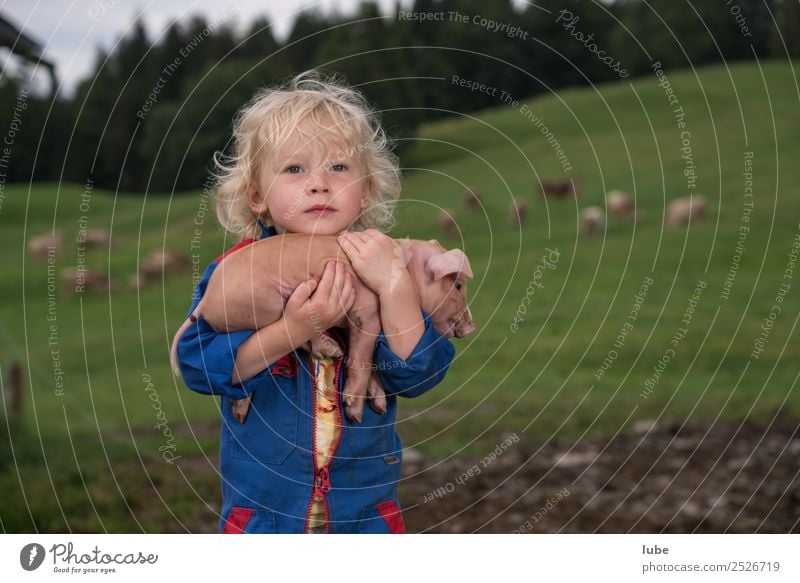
x: 240, y: 408
x: 365, y: 325
x: 376, y: 397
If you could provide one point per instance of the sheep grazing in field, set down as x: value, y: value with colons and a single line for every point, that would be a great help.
x: 592, y: 219
x: 447, y: 224
x: 41, y: 246
x: 516, y: 212
x: 80, y: 280
x: 685, y: 210
x: 156, y: 263
x: 560, y: 188
x: 472, y: 199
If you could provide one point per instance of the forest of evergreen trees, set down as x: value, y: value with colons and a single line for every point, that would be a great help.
x: 154, y: 111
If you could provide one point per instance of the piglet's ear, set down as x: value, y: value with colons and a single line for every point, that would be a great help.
x: 442, y: 264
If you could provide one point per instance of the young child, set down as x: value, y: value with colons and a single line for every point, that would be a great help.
x: 312, y: 158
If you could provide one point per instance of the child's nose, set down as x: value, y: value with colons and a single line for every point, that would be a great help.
x: 318, y: 183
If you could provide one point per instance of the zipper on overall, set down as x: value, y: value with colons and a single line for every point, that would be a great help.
x: 322, y: 481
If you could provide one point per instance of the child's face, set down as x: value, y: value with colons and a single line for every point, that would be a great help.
x: 308, y: 189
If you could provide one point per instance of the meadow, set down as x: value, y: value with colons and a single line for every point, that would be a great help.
x: 565, y: 349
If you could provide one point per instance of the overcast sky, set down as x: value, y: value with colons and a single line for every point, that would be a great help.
x: 71, y: 30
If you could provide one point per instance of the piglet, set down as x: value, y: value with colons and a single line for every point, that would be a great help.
x: 250, y: 288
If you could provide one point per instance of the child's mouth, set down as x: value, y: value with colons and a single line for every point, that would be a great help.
x: 321, y: 211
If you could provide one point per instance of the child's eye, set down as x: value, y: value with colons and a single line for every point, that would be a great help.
x: 339, y: 167
x: 294, y: 169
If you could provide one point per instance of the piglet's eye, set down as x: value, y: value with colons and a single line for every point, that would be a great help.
x: 458, y: 285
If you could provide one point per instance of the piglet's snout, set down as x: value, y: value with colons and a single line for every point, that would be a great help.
x: 465, y: 330
x: 464, y: 327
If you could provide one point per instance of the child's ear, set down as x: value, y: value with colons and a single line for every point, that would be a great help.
x: 365, y: 198
x: 257, y: 202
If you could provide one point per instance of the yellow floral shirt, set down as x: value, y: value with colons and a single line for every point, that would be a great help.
x: 326, y: 431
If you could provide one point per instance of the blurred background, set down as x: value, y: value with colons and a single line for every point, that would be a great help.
x: 622, y: 175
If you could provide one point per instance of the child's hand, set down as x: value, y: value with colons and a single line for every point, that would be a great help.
x: 376, y: 258
x: 331, y: 299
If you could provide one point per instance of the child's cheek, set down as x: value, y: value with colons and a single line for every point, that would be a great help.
x: 354, y: 179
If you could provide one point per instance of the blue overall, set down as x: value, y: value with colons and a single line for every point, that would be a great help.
x: 267, y: 463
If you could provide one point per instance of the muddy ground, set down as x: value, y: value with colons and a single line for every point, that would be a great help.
x: 728, y: 478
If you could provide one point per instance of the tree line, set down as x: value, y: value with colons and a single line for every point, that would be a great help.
x: 154, y: 110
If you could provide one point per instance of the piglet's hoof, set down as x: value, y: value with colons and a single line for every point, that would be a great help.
x: 355, y: 413
x: 240, y: 408
x: 353, y: 397
x: 376, y: 397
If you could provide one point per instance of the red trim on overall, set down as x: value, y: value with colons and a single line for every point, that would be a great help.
x: 286, y: 366
x: 322, y: 481
x: 337, y: 387
x: 237, y: 520
x: 392, y: 515
x: 234, y: 248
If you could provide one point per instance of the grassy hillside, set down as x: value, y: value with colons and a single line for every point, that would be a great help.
x: 540, y: 381
x: 620, y: 136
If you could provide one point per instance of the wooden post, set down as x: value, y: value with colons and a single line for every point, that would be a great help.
x: 15, y: 380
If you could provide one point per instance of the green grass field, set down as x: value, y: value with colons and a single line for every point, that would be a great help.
x: 539, y: 381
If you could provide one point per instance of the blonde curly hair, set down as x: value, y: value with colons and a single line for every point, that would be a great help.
x: 313, y: 107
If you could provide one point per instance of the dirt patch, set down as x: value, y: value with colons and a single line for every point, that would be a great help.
x: 730, y: 477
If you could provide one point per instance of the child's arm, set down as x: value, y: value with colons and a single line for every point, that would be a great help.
x: 401, y: 316
x: 304, y: 316
x: 373, y: 257
x: 410, y: 355
x: 207, y: 358
x: 420, y: 371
